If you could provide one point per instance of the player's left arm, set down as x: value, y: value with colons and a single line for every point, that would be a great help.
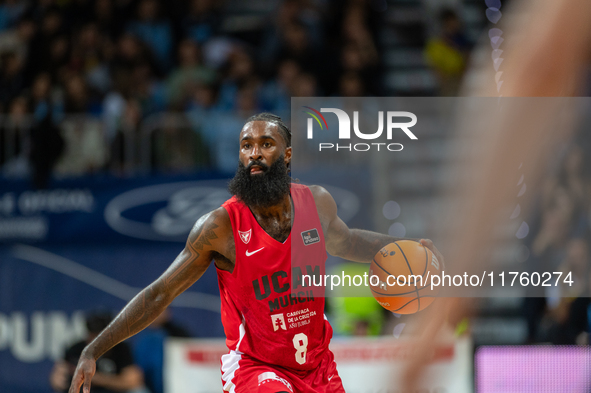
x: 353, y: 244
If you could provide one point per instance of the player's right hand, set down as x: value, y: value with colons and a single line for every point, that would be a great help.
x: 83, y: 374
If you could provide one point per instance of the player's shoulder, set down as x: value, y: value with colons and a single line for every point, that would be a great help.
x: 219, y: 215
x: 324, y: 201
x: 319, y: 192
x: 216, y: 221
x: 219, y: 218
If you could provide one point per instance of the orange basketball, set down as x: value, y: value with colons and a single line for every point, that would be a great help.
x: 404, y: 269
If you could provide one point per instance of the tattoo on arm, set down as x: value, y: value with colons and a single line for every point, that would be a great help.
x: 152, y: 300
x: 352, y: 244
x: 204, y: 235
x: 363, y: 245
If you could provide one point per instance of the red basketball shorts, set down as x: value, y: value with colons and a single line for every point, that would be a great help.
x: 241, y: 374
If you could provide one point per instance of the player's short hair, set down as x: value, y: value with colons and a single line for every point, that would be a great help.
x: 271, y: 118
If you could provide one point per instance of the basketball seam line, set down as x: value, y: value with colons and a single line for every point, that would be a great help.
x: 410, y: 269
x: 398, y: 294
x: 382, y: 267
x: 426, y: 260
x: 407, y: 303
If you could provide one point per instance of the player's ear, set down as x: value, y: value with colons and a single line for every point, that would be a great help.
x: 287, y: 158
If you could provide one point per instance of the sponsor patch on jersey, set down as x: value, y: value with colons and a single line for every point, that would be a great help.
x: 245, y: 236
x: 310, y: 237
x: 278, y: 322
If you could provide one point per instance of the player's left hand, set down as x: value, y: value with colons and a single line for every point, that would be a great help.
x: 429, y: 244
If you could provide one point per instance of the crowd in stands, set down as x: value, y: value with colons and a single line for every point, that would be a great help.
x: 120, y: 62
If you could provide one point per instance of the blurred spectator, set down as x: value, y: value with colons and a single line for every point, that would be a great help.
x: 219, y: 130
x: 177, y: 147
x: 115, y: 370
x: 76, y: 13
x: 46, y: 142
x: 359, y: 53
x: 202, y: 21
x: 59, y: 57
x: 573, y: 178
x: 147, y: 89
x: 239, y: 72
x: 85, y: 148
x: 351, y: 85
x: 190, y: 73
x: 203, y: 100
x: 154, y: 31
x: 78, y: 98
x: 296, y: 45
x: 17, y: 40
x: 566, y: 317
x: 149, y: 349
x: 39, y: 50
x: 555, y: 227
x: 576, y: 263
x: 88, y: 57
x: 114, y: 104
x: 11, y: 77
x: 129, y: 53
x: 447, y: 53
x: 126, y: 142
x: 14, y: 134
x: 10, y: 12
x: 356, y: 32
x: 293, y: 28
x: 304, y: 86
x: 276, y: 93
x: 108, y: 18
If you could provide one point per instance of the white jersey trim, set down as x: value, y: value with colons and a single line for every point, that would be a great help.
x: 242, y: 331
x: 230, y: 363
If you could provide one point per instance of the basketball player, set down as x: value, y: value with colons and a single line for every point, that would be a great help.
x: 250, y: 240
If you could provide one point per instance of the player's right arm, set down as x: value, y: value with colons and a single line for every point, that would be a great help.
x: 353, y: 244
x: 208, y: 238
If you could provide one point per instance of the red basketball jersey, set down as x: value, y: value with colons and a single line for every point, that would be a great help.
x: 267, y: 313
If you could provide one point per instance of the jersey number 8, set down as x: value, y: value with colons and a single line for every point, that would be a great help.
x: 300, y: 343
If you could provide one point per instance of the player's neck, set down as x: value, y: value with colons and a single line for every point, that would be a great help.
x: 279, y: 211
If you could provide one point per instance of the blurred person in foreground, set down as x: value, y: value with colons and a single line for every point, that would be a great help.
x: 116, y: 371
x: 257, y: 261
x: 549, y: 56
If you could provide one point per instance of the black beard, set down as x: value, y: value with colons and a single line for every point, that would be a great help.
x: 261, y: 190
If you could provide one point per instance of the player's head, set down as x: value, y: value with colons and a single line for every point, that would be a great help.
x: 273, y: 119
x: 262, y: 178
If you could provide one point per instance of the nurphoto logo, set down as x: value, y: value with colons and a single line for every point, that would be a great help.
x: 392, y: 123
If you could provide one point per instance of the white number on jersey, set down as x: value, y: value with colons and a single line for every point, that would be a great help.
x: 300, y: 343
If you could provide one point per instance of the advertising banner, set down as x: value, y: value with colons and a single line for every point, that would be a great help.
x: 365, y: 365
